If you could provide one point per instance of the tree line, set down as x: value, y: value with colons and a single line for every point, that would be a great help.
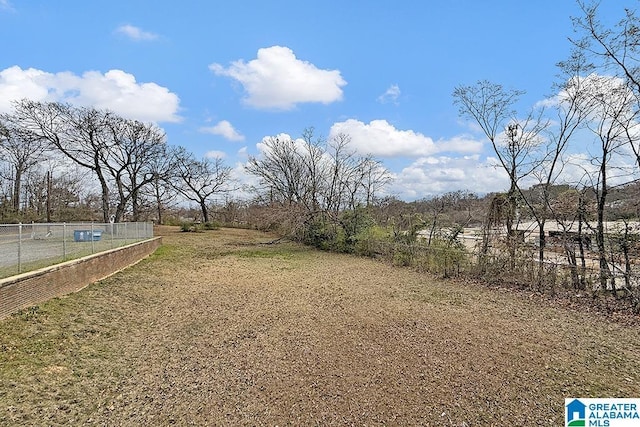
x: 64, y: 162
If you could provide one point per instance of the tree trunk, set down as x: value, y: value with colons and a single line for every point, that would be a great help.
x: 158, y: 197
x: 573, y: 263
x: 205, y: 211
x: 542, y: 244
x: 600, y: 237
x: 17, y: 183
x: 581, y: 240
x: 48, y: 202
x: 135, y: 206
x: 627, y: 258
x: 105, y: 198
x: 512, y: 206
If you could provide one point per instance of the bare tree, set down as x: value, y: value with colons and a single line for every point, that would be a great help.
x: 615, y: 95
x: 80, y: 133
x: 547, y: 167
x: 614, y: 51
x: 491, y: 106
x: 451, y: 209
x: 135, y: 153
x: 374, y: 178
x: 22, y: 149
x: 515, y: 142
x: 160, y: 193
x: 343, y: 177
x: 124, y: 155
x: 532, y: 147
x: 571, y: 211
x: 316, y: 181
x: 519, y: 155
x: 281, y: 170
x: 199, y: 180
x: 68, y: 196
x: 611, y: 110
x: 313, y: 159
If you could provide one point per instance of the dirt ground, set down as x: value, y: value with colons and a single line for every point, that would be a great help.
x: 218, y: 328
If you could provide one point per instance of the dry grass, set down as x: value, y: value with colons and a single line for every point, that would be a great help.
x: 218, y: 329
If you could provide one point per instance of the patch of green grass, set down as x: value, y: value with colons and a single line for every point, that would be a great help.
x: 164, y: 251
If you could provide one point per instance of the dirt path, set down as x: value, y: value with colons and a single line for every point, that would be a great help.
x: 218, y: 329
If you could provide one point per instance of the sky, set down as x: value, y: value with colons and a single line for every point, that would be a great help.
x: 220, y: 76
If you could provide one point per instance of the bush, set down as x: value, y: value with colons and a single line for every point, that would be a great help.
x: 402, y: 254
x: 372, y: 241
x: 443, y: 257
x: 354, y: 225
x: 211, y: 225
x: 319, y: 233
x: 188, y: 226
x: 195, y: 227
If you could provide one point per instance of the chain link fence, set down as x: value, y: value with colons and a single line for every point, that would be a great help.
x: 520, y: 265
x: 26, y: 247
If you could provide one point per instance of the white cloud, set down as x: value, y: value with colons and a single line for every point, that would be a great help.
x: 460, y: 144
x: 114, y: 90
x: 215, y: 154
x: 382, y: 139
x: 263, y: 146
x: 135, y: 33
x: 391, y: 95
x: 278, y: 80
x: 431, y: 176
x: 224, y: 129
x: 16, y: 84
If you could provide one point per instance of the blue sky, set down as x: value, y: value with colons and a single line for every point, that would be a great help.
x: 220, y: 76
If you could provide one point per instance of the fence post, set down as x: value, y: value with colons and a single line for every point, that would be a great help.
x: 19, y: 248
x: 64, y: 241
x: 93, y: 245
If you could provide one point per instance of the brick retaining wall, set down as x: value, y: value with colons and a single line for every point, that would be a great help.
x: 28, y: 289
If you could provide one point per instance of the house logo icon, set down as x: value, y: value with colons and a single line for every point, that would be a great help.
x: 576, y: 414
